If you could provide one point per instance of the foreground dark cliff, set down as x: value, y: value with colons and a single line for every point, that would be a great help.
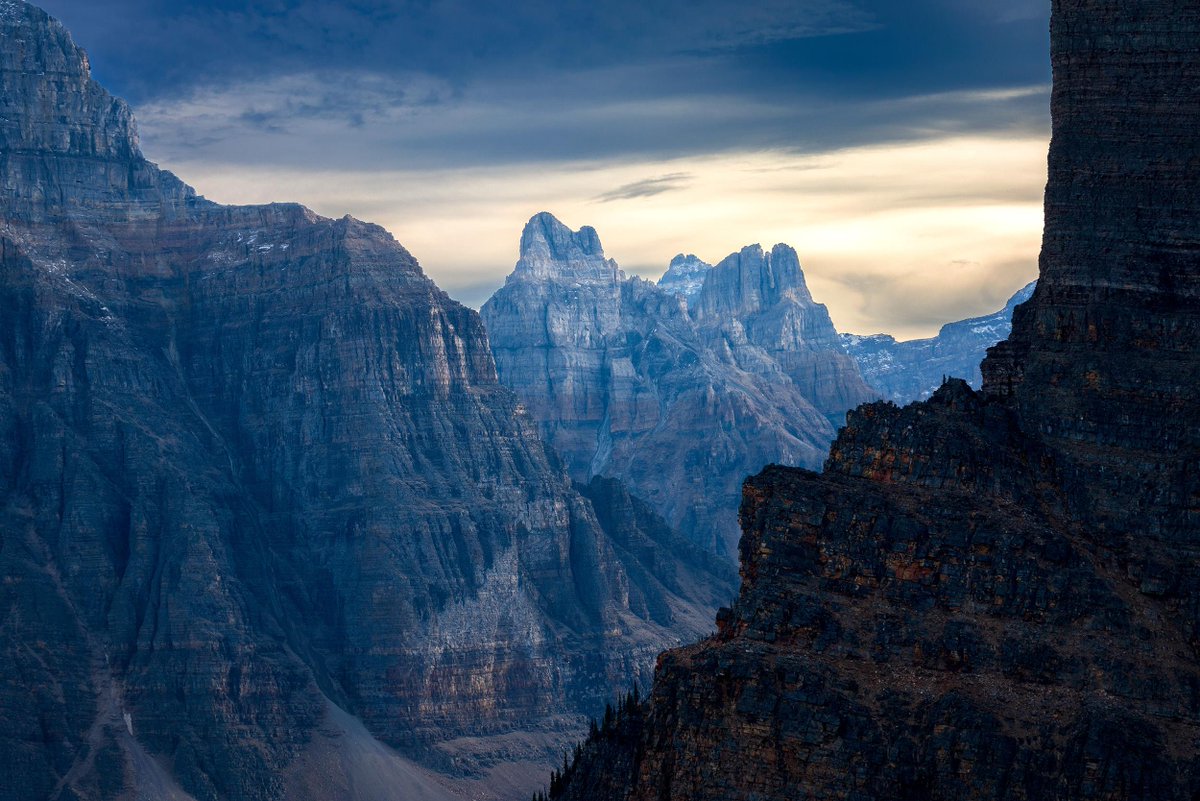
x: 269, y: 525
x: 995, y: 594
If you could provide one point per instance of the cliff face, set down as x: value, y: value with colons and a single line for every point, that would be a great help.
x: 756, y: 306
x: 903, y: 372
x: 680, y: 404
x: 624, y: 385
x: 266, y: 513
x: 989, y: 595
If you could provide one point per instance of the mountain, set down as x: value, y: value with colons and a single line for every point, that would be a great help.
x: 624, y: 386
x: 907, y: 371
x: 685, y: 276
x: 756, y: 307
x: 269, y: 525
x: 994, y: 594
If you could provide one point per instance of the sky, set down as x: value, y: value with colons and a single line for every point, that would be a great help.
x: 898, y: 145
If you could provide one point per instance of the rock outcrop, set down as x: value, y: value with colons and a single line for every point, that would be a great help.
x: 755, y: 306
x: 994, y: 594
x: 903, y: 372
x: 269, y: 525
x: 685, y: 276
x: 624, y: 385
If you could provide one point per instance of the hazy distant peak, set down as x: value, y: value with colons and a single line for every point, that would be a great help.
x: 752, y: 280
x: 685, y: 276
x: 550, y: 249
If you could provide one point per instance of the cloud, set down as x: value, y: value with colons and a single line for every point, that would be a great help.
x: 175, y: 46
x: 369, y: 121
x: 648, y: 187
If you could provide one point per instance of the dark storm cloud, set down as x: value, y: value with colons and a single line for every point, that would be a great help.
x: 154, y: 46
x: 405, y: 83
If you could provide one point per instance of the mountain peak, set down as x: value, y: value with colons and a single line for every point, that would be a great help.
x: 60, y: 125
x: 685, y: 276
x: 49, y: 101
x: 550, y: 250
x: 752, y: 280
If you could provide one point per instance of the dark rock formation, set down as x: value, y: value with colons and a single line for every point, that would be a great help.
x: 756, y: 307
x: 624, y: 385
x: 903, y: 372
x: 990, y: 595
x: 266, y: 513
x: 685, y: 276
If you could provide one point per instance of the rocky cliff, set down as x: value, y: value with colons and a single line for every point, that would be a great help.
x: 685, y: 276
x: 989, y: 595
x: 269, y: 525
x: 903, y: 372
x: 755, y: 306
x: 624, y: 385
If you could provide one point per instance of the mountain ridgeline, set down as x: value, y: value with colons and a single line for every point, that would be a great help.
x: 269, y: 525
x: 913, y: 370
x: 627, y: 382
x: 682, y: 389
x: 991, y: 595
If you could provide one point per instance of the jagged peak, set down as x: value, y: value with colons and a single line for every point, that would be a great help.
x: 49, y: 102
x: 689, y: 261
x: 685, y: 275
x: 550, y: 250
x: 753, y: 279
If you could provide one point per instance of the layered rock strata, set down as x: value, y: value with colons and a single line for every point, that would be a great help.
x: 903, y: 372
x: 269, y: 525
x: 989, y: 595
x: 624, y: 385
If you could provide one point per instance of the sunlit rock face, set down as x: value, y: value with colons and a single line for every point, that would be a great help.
x: 992, y: 594
x: 756, y: 307
x: 904, y: 372
x: 266, y: 514
x: 624, y: 384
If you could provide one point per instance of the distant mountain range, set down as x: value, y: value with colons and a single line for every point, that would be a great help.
x: 684, y: 388
x: 626, y: 383
x: 909, y: 371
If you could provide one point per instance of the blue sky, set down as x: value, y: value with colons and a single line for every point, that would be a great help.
x: 452, y: 121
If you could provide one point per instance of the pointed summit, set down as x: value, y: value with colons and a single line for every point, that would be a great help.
x: 551, y: 250
x: 67, y: 146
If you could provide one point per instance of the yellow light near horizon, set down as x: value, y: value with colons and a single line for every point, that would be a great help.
x: 896, y: 238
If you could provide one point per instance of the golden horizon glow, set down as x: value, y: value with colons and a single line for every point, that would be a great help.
x: 893, y: 238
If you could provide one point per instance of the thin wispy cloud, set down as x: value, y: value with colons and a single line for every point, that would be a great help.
x: 647, y: 188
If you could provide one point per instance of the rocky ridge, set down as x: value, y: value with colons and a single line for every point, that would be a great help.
x: 756, y: 307
x: 269, y: 525
x: 993, y: 594
x: 624, y: 385
x: 685, y: 276
x: 903, y: 372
